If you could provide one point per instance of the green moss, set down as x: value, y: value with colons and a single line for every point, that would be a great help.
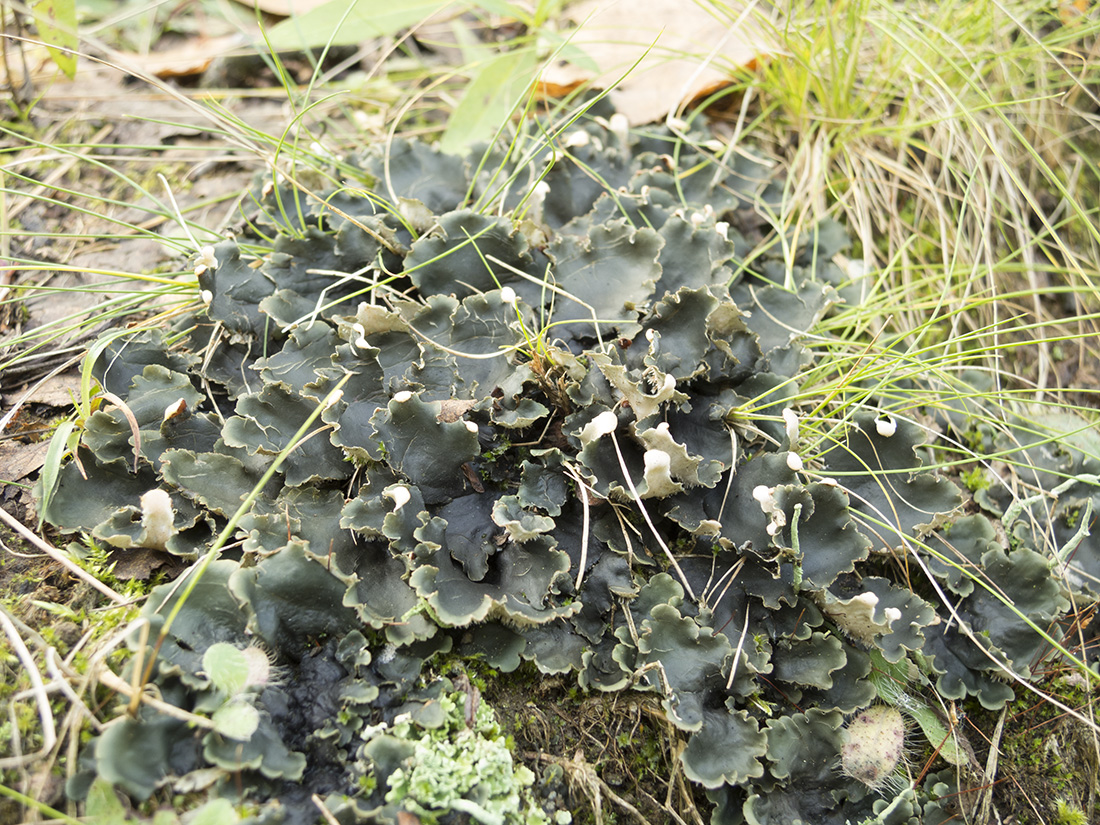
x: 1066, y: 813
x: 976, y: 479
x: 1044, y: 756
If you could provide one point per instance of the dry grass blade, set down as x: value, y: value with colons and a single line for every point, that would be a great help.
x: 42, y: 701
x: 61, y: 558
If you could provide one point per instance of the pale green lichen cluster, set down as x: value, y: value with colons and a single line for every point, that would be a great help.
x: 460, y: 767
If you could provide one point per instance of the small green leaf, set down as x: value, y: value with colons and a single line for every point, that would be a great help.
x: 56, y: 22
x: 335, y: 24
x: 227, y: 668
x: 237, y: 720
x: 103, y: 807
x: 494, y: 91
x: 215, y: 812
x: 51, y: 467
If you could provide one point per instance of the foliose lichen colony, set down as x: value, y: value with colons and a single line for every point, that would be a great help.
x: 570, y: 432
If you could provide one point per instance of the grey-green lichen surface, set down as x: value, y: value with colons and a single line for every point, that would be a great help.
x: 568, y: 434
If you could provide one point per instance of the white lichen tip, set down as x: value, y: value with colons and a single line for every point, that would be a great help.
x: 402, y: 396
x: 658, y: 476
x: 206, y: 260
x: 794, y: 462
x: 399, y: 495
x: 657, y: 460
x: 866, y: 600
x: 360, y: 336
x: 598, y: 427
x: 764, y: 494
x: 207, y: 296
x: 886, y: 426
x: 471, y: 426
x: 698, y: 219
x: 856, y: 616
x: 507, y: 295
x: 723, y: 229
x: 709, y: 527
x: 333, y: 398
x: 619, y: 126
x: 790, y: 422
x: 577, y: 139
x: 172, y: 410
x: 157, y: 518
x: 765, y: 497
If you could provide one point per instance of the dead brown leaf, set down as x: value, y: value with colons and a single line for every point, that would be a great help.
x: 192, y: 57
x: 140, y: 563
x: 686, y: 50
x: 17, y: 460
x: 57, y: 391
x: 27, y: 62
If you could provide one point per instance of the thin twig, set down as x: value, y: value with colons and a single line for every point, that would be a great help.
x: 991, y: 768
x: 583, y: 773
x: 61, y: 558
x: 648, y: 520
x: 54, y: 667
x: 120, y: 685
x: 45, y: 713
x: 584, y: 491
x: 325, y: 812
x: 740, y: 647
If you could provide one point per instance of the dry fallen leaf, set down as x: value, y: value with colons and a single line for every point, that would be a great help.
x: 191, y: 58
x: 692, y: 46
x: 140, y: 563
x: 57, y: 391
x: 17, y: 461
x: 29, y: 55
